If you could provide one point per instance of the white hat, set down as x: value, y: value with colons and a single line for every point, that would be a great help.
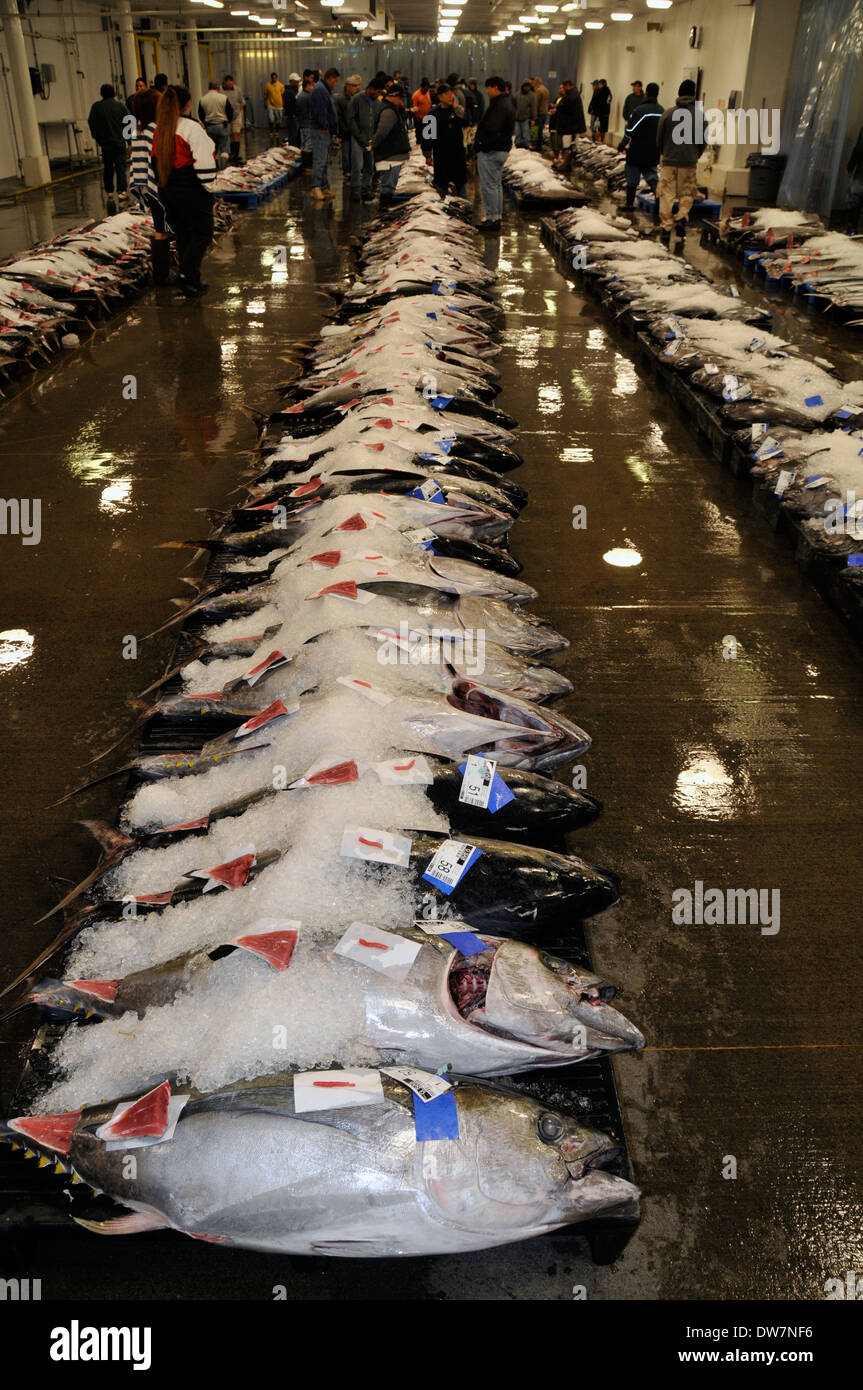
x: 294, y: 77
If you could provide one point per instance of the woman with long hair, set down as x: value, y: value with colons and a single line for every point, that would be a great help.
x: 142, y: 181
x: 183, y: 160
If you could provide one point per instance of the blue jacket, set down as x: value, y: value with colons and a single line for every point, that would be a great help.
x: 322, y: 108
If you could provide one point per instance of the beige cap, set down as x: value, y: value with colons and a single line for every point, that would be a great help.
x: 294, y: 77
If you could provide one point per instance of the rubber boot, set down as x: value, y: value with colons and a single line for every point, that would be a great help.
x: 160, y: 259
x: 235, y: 152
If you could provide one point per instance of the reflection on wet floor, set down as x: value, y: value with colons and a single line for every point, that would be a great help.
x: 723, y: 697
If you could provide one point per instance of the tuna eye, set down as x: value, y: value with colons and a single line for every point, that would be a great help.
x: 551, y: 1128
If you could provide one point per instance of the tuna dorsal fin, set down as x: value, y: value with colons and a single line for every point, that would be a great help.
x: 132, y: 1224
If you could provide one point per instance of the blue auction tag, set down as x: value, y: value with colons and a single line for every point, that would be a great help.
x: 436, y: 1118
x: 436, y: 288
x: 445, y: 445
x: 843, y: 414
x: 813, y: 400
x: 430, y: 314
x: 441, y: 402
x: 464, y: 941
x: 429, y: 491
x: 855, y: 561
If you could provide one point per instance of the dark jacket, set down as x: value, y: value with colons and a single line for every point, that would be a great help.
x: 341, y: 101
x: 446, y: 124
x: 856, y: 155
x: 496, y: 129
x: 600, y: 104
x: 525, y: 106
x: 303, y: 110
x: 639, y: 138
x: 632, y: 102
x: 390, y: 140
x: 106, y: 120
x: 685, y: 151
x: 479, y: 101
x: 289, y: 103
x: 569, y: 114
x: 322, y: 110
x: 363, y: 117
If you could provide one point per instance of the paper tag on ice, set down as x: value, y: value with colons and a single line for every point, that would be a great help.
x: 328, y: 772
x: 234, y: 873
x: 269, y: 663
x: 449, y: 864
x: 769, y: 449
x: 336, y: 1090
x: 412, y: 771
x: 277, y: 710
x: 846, y: 411
x: 375, y: 846
x: 497, y: 794
x: 424, y: 1084
x: 673, y: 347
x: 383, y: 951
x: 785, y: 479
x: 758, y: 430
x: 371, y: 692
x: 815, y: 480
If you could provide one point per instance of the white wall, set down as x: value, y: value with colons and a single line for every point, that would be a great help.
x: 623, y: 52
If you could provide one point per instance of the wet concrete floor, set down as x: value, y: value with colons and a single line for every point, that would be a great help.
x: 738, y: 773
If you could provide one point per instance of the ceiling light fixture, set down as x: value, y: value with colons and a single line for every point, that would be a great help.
x: 621, y: 15
x: 659, y: 4
x: 593, y: 24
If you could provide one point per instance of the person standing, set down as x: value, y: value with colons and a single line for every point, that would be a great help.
x: 274, y: 101
x: 639, y: 142
x: 304, y: 118
x: 493, y: 143
x: 362, y: 117
x: 216, y: 113
x: 183, y: 159
x: 324, y: 124
x: 342, y: 101
x: 543, y: 96
x: 525, y: 115
x: 445, y: 124
x: 635, y: 98
x: 235, y: 129
x: 599, y: 109
x: 289, y: 109
x: 142, y: 183
x: 106, y: 122
x: 478, y: 98
x: 140, y: 86
x: 160, y: 83
x: 390, y: 143
x: 854, y: 170
x: 421, y: 105
x: 679, y: 152
x: 569, y: 121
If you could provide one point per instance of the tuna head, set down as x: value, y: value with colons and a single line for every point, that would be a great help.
x: 520, y: 1168
x: 546, y: 1001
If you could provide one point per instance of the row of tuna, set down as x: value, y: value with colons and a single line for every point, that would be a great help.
x: 801, y: 424
x: 327, y: 918
x: 798, y: 250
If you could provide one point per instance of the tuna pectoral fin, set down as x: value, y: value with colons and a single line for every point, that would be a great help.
x: 358, y: 1248
x: 131, y: 1225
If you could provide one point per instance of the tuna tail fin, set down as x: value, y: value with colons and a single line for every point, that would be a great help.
x: 133, y: 1224
x: 85, y: 786
x: 256, y: 416
x: 110, y: 841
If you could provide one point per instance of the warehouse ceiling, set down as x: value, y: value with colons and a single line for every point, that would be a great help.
x: 312, y: 19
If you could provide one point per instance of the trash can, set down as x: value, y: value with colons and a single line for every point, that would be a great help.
x: 765, y: 177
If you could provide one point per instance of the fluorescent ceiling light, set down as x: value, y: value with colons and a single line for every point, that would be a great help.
x: 545, y: 40
x: 659, y: 4
x: 304, y: 33
x: 360, y: 23
x: 558, y: 36
x: 573, y: 33
x: 621, y: 15
x: 567, y: 9
x: 380, y: 38
x: 546, y: 9
x: 238, y: 14
x: 593, y: 24
x: 212, y: 4
x: 266, y: 21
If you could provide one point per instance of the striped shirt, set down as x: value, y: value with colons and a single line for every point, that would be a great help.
x: 193, y: 148
x: 140, y: 172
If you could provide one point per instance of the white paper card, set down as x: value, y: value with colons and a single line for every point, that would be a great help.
x: 336, y: 1090
x: 383, y: 951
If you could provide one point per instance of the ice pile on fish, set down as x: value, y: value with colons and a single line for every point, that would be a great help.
x: 530, y: 176
x: 254, y: 174
x: 62, y: 285
x: 771, y: 227
x: 602, y: 164
x: 828, y: 269
x: 337, y: 893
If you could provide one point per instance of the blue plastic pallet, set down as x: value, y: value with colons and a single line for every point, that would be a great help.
x: 705, y: 207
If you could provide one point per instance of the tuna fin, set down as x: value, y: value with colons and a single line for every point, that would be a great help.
x: 85, y: 786
x: 357, y: 1248
x: 131, y: 1225
x: 107, y: 838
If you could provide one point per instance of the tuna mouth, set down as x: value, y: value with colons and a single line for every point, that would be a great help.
x: 488, y: 704
x: 601, y: 1158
